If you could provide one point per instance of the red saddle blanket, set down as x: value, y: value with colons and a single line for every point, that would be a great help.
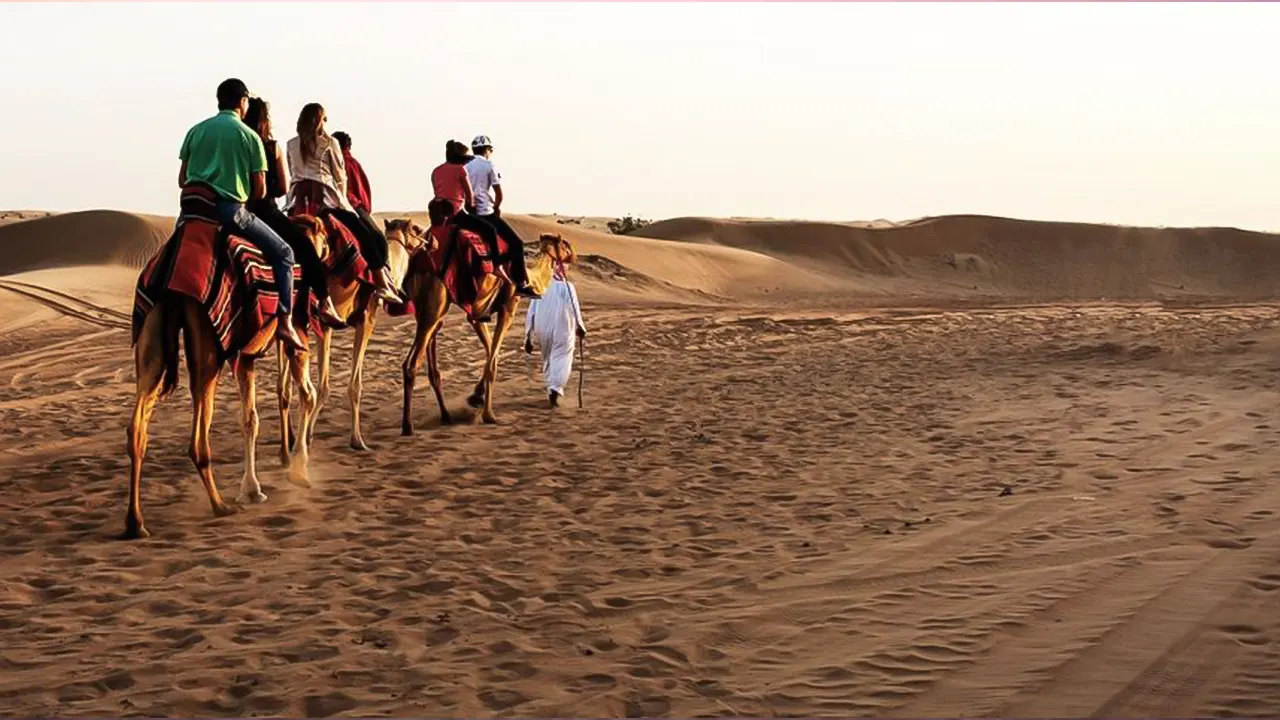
x: 226, y: 274
x: 344, y: 262
x: 461, y: 260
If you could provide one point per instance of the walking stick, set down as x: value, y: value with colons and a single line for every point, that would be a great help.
x: 582, y: 367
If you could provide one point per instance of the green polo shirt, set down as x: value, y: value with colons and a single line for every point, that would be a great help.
x: 222, y: 152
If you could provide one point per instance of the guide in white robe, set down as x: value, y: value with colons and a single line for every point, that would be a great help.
x: 554, y: 321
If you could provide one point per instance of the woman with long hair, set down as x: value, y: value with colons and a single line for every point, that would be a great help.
x: 314, y: 276
x: 318, y: 184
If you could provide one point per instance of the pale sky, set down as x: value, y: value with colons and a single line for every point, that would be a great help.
x: 1146, y: 113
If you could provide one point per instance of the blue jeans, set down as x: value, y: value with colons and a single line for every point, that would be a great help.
x: 236, y: 219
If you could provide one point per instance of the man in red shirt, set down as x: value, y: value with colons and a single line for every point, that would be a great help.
x: 359, y: 194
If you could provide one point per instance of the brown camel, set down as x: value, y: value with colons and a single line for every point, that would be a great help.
x: 357, y: 302
x: 431, y: 302
x: 156, y: 369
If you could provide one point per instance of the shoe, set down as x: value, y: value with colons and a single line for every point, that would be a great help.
x: 554, y: 397
x: 329, y: 316
x: 526, y: 290
x: 386, y: 289
x: 287, y: 335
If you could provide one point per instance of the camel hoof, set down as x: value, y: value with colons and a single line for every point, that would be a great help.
x: 358, y: 445
x: 135, y: 533
x: 285, y: 461
x: 406, y: 430
x: 252, y: 499
x: 475, y: 401
x: 223, y: 510
x: 489, y: 420
x: 446, y: 419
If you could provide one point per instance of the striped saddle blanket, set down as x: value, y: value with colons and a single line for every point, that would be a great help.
x: 344, y: 262
x: 225, y: 274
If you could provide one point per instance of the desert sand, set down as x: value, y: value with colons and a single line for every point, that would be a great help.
x: 958, y: 466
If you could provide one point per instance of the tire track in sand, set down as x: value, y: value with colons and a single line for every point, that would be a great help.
x: 69, y: 305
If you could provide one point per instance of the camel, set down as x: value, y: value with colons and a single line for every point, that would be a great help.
x: 431, y: 302
x: 552, y: 250
x: 156, y: 369
x: 358, y: 304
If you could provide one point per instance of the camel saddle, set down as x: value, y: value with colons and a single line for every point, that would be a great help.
x: 462, y: 260
x: 226, y: 274
x: 344, y: 261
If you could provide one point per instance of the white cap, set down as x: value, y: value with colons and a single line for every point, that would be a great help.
x: 481, y: 141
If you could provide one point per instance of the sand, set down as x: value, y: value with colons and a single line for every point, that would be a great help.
x: 955, y: 467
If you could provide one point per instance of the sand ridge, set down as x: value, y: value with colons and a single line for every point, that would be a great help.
x: 774, y: 262
x: 787, y: 503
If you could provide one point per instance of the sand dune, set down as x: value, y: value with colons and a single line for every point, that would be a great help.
x: 92, y: 237
x: 1019, y: 258
x: 779, y: 500
x: 709, y: 260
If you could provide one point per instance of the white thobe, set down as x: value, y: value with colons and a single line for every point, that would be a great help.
x: 553, y: 321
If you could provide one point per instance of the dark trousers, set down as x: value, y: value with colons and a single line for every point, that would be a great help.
x: 489, y: 227
x: 373, y: 243
x: 314, y: 272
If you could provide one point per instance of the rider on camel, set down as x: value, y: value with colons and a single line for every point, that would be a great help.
x: 359, y: 194
x: 486, y: 189
x: 314, y: 273
x: 450, y: 182
x: 319, y: 178
x: 227, y: 157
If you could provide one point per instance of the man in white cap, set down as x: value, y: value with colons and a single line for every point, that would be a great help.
x: 486, y: 186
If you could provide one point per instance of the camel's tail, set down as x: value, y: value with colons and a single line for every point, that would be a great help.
x: 172, y: 326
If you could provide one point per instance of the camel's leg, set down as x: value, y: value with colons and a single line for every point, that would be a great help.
x: 431, y: 302
x: 409, y: 373
x: 149, y: 360
x: 478, y: 393
x: 284, y: 391
x: 326, y: 367
x: 203, y: 368
x: 300, y: 365
x: 433, y: 374
x: 246, y: 381
x: 424, y: 336
x: 364, y: 330
x: 505, y: 318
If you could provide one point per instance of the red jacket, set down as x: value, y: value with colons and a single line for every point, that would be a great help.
x: 358, y: 192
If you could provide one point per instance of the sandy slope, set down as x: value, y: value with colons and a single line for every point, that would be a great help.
x: 1013, y: 258
x: 783, y: 504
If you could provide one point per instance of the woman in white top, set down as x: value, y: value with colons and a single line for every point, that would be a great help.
x: 318, y: 186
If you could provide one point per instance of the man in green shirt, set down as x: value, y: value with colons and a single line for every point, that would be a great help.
x: 226, y: 156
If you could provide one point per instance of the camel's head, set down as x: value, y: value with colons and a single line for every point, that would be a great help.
x: 552, y: 250
x: 557, y: 248
x: 315, y: 231
x: 404, y: 238
x: 406, y: 233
